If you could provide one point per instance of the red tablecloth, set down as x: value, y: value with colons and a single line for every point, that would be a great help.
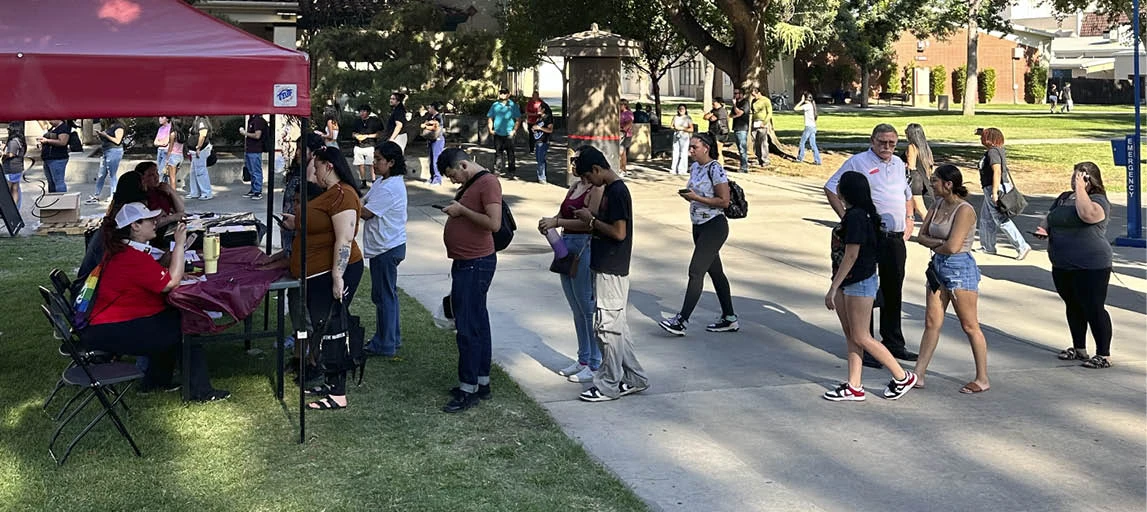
x: 235, y: 290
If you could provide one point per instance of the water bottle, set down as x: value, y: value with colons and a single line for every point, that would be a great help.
x: 556, y: 242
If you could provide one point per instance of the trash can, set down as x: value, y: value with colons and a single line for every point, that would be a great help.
x: 942, y: 103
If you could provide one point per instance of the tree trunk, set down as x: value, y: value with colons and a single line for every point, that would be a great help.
x: 865, y: 83
x: 653, y: 77
x: 971, y: 89
x: 707, y: 93
x: 565, y: 90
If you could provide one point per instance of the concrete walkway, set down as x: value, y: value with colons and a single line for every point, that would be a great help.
x: 734, y: 422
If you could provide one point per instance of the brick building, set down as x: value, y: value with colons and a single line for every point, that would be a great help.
x: 1011, y: 55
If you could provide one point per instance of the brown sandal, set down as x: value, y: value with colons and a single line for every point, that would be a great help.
x: 972, y: 388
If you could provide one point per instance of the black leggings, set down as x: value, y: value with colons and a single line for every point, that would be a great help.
x: 159, y: 337
x: 320, y: 296
x: 1085, y: 292
x: 707, y: 241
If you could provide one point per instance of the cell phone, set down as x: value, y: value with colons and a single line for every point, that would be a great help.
x: 1037, y: 235
x: 437, y: 206
x: 278, y: 220
x: 684, y: 191
x: 190, y: 240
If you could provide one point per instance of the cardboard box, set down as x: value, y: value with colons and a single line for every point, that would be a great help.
x: 59, y: 207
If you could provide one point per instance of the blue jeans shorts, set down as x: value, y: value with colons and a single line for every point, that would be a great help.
x: 865, y: 288
x: 953, y: 272
x: 15, y: 177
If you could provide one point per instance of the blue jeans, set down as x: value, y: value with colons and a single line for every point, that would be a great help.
x: 54, y: 171
x: 109, y: 166
x: 470, y: 283
x: 954, y: 272
x: 809, y: 134
x: 579, y: 294
x: 680, y: 153
x: 742, y: 137
x: 436, y: 148
x: 161, y: 162
x: 254, y: 163
x: 384, y: 294
x: 200, y: 181
x: 540, y: 151
x: 992, y: 222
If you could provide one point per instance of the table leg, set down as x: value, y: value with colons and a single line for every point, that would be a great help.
x: 279, y: 343
x: 247, y: 333
x: 185, y: 364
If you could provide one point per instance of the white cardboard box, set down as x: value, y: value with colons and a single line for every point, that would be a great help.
x: 59, y: 207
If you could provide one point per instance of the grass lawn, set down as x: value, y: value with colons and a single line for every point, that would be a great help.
x: 393, y: 449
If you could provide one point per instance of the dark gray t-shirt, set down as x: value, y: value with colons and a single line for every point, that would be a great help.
x: 1074, y: 244
x: 741, y: 124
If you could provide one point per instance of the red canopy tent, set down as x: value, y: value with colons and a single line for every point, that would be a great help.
x: 64, y: 59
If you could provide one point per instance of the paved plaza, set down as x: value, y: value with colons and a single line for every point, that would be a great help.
x: 734, y: 422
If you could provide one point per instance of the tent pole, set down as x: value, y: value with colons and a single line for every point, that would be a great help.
x: 301, y: 232
x: 269, y: 184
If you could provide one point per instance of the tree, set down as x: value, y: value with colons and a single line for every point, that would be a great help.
x: 947, y: 16
x: 867, y: 30
x: 744, y: 37
x: 663, y: 48
x: 987, y: 85
x: 939, y: 80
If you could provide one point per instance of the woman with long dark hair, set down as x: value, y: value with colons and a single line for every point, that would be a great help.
x: 996, y: 181
x: 708, y: 196
x: 1076, y: 229
x: 952, y: 275
x: 334, y: 261
x: 384, y: 244
x: 111, y: 143
x: 682, y: 131
x: 15, y: 148
x: 170, y: 167
x: 129, y: 312
x: 918, y: 157
x: 330, y: 132
x: 854, y: 284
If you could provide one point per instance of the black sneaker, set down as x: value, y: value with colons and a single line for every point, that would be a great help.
x: 248, y: 194
x: 624, y: 389
x: 844, y: 393
x: 214, y: 396
x: 724, y: 324
x: 483, y: 391
x: 256, y: 197
x: 899, y: 388
x: 905, y: 355
x: 461, y: 401
x: 675, y: 326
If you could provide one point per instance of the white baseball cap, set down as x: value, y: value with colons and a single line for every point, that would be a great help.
x: 132, y: 212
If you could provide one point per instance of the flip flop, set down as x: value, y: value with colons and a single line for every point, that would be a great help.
x: 972, y: 388
x: 320, y: 390
x: 325, y: 404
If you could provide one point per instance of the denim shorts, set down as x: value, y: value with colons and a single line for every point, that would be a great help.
x: 14, y: 178
x: 864, y: 288
x: 954, y: 272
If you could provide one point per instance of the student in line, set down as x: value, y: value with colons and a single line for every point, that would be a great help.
x: 854, y: 253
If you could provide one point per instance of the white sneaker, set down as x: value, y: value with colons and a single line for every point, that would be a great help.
x: 572, y: 369
x: 92, y: 200
x: 585, y: 375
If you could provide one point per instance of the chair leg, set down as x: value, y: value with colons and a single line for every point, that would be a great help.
x: 109, y: 410
x: 59, y: 385
x: 118, y: 422
x: 68, y: 419
x: 69, y: 403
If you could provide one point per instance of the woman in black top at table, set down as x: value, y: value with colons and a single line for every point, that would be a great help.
x: 1076, y: 229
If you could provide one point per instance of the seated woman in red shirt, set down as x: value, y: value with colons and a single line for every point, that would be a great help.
x: 129, y: 312
x: 160, y: 196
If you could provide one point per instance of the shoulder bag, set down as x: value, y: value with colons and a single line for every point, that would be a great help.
x: 1011, y: 203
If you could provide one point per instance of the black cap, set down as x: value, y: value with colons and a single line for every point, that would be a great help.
x: 587, y: 157
x: 503, y: 91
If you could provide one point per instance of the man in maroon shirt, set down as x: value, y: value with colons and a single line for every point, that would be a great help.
x: 475, y: 214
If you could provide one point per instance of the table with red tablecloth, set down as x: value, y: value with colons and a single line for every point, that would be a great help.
x: 235, y: 291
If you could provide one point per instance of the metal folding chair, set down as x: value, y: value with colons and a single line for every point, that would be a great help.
x: 95, y: 380
x: 62, y: 283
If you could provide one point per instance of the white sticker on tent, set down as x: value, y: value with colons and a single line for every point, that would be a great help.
x: 286, y: 95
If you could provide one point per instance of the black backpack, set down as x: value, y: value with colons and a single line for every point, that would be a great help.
x: 505, y: 233
x: 738, y: 206
x: 74, y: 143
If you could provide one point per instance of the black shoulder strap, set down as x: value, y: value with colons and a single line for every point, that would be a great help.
x: 471, y: 181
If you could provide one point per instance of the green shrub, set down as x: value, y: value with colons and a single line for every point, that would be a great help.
x: 227, y: 131
x: 939, y: 80
x: 987, y: 85
x: 959, y: 80
x: 1035, y: 85
x: 906, y: 81
x: 891, y: 78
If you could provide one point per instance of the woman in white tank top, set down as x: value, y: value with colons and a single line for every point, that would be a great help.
x: 953, y: 275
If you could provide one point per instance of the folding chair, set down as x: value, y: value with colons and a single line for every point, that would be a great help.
x: 95, y: 380
x: 59, y: 307
x: 62, y: 283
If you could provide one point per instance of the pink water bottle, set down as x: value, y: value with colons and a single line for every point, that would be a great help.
x: 556, y: 242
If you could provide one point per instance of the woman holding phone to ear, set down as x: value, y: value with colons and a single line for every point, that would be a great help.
x: 708, y: 196
x: 1076, y: 229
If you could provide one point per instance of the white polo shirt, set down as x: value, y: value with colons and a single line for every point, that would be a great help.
x: 387, y: 229
x: 889, y: 183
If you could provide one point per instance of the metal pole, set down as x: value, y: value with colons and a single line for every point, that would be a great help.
x: 1134, y: 236
x: 301, y: 232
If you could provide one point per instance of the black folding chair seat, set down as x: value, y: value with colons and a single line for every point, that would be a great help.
x: 106, y: 374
